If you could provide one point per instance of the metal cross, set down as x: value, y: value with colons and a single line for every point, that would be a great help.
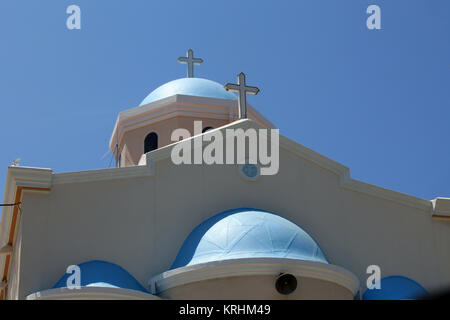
x: 190, y: 61
x: 243, y: 89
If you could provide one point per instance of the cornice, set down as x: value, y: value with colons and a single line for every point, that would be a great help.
x: 441, y: 208
x: 102, y: 175
x: 253, y: 267
x: 30, y: 177
x: 178, y: 105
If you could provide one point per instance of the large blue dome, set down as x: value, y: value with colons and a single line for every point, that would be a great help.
x: 189, y: 86
x: 396, y: 288
x: 247, y: 233
x: 98, y: 273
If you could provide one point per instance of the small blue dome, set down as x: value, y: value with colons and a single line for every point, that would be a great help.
x: 247, y: 233
x: 189, y: 86
x: 396, y: 288
x: 98, y: 273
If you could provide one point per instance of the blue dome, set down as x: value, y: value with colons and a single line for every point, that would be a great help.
x: 190, y: 86
x: 396, y: 288
x: 98, y: 273
x: 247, y: 233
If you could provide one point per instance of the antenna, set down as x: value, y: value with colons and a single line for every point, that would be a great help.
x: 15, y: 162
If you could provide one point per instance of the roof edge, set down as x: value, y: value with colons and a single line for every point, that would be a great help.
x: 155, y: 106
x: 441, y: 208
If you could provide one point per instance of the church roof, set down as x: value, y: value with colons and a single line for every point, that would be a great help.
x: 189, y: 86
x: 97, y: 273
x: 247, y: 233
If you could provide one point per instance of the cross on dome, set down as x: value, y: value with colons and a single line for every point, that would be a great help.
x: 190, y: 61
x: 243, y: 89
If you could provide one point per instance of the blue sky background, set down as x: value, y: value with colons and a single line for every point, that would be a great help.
x: 375, y: 101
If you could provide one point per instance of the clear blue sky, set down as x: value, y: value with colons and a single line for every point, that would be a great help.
x: 375, y: 101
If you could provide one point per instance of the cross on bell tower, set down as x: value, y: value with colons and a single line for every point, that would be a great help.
x: 243, y: 89
x: 190, y: 61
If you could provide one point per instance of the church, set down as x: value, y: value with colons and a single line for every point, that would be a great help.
x: 153, y: 229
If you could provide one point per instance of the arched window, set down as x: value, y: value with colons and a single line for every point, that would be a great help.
x: 207, y: 129
x: 151, y: 142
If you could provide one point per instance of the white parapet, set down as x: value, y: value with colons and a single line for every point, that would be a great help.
x: 441, y: 207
